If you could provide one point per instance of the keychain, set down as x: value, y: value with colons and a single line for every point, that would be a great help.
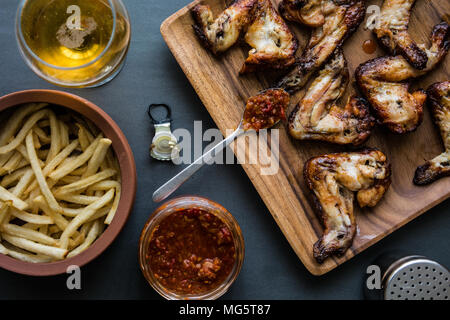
x: 164, y: 144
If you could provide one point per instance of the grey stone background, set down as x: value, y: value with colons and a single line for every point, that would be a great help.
x: 271, y: 269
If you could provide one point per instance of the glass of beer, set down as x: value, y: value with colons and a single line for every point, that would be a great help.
x: 73, y: 43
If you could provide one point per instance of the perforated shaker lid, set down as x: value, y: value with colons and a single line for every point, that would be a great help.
x: 417, y: 278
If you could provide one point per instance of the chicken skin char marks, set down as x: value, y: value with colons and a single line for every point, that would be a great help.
x: 219, y: 34
x: 385, y: 82
x: 318, y: 117
x: 439, y: 103
x: 333, y: 179
x: 392, y: 31
x: 273, y: 44
x: 307, y: 12
x: 341, y: 19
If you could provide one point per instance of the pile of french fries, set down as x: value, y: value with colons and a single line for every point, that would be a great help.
x: 59, y: 184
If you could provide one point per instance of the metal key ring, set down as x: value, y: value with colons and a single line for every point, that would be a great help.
x: 156, y: 105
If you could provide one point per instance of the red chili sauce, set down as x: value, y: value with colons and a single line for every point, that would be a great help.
x: 266, y: 109
x: 369, y: 46
x: 191, y: 252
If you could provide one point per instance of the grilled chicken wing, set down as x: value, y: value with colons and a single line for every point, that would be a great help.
x: 392, y: 31
x: 439, y: 101
x: 273, y: 44
x: 220, y: 34
x: 307, y: 12
x: 384, y: 81
x: 333, y: 179
x: 341, y: 20
x: 318, y: 117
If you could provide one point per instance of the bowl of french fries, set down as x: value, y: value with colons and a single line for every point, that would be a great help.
x: 67, y: 181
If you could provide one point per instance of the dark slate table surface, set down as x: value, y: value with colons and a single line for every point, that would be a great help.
x: 271, y: 269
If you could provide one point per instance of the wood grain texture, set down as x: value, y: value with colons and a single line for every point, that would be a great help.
x: 224, y: 93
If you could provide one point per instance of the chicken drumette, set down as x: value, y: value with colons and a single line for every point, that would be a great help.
x: 341, y: 19
x: 307, y: 12
x: 318, y: 117
x: 273, y: 44
x: 385, y: 83
x: 333, y: 180
x: 219, y: 34
x: 392, y: 31
x: 439, y: 102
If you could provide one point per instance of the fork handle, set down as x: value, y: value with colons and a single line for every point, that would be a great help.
x: 173, y: 184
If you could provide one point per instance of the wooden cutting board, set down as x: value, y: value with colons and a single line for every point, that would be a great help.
x: 224, y: 93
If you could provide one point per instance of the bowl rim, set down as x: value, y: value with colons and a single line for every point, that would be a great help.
x: 127, y: 165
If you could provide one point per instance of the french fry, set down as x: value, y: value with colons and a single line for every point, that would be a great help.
x: 23, y: 163
x: 43, y: 123
x: 13, y: 177
x: 55, y: 145
x: 43, y: 153
x: 43, y: 229
x: 68, y: 180
x: 76, y: 242
x: 97, y: 158
x: 31, y: 226
x: 24, y: 131
x: 23, y: 182
x: 57, y: 218
x: 94, y: 232
x: 3, y: 250
x: 16, y: 120
x: 41, y: 135
x: 64, y: 134
x: 83, y: 136
x: 83, y: 217
x: 53, y: 204
x: 36, y: 142
x: 26, y: 257
x: 86, y: 182
x: 77, y: 198
x: 78, y: 162
x: 55, y: 162
x: 57, y: 253
x: 104, y: 185
x: 115, y: 205
x: 5, y: 157
x: 18, y: 189
x: 53, y: 229
x: 31, y: 218
x: 12, y: 164
x: 16, y: 202
x: 26, y: 233
x: 86, y: 227
x: 100, y: 214
x: 79, y: 172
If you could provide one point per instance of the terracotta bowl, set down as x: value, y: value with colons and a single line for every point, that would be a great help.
x: 128, y: 172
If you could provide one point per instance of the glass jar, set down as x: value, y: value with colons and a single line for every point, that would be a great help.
x: 177, y: 205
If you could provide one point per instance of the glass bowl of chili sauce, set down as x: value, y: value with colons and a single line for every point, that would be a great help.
x: 191, y: 248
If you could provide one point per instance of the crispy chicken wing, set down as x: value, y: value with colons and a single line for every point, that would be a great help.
x: 333, y: 180
x: 307, y: 12
x: 220, y: 34
x: 273, y: 44
x: 392, y: 31
x: 439, y: 102
x: 385, y: 83
x: 318, y: 117
x: 341, y: 19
